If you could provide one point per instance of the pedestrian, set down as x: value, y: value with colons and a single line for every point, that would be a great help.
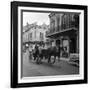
x: 30, y: 52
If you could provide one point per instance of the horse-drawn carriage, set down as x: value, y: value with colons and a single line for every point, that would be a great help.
x: 49, y: 54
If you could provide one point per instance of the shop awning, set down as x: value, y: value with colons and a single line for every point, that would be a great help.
x: 66, y: 32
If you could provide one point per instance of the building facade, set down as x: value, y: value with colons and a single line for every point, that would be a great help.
x: 64, y: 27
x: 33, y: 33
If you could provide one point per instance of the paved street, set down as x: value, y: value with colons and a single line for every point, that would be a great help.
x: 30, y: 68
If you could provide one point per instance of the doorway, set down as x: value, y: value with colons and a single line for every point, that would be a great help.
x: 58, y: 42
x: 72, y: 45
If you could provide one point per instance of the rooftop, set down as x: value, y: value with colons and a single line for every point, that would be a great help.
x: 34, y: 25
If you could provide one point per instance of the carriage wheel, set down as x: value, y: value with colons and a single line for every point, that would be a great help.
x: 52, y: 60
x: 30, y: 57
x: 38, y: 60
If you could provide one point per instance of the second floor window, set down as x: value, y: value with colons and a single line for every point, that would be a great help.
x: 41, y: 36
x: 30, y: 36
x: 52, y: 26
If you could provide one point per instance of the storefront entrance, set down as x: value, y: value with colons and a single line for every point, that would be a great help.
x: 58, y: 42
x: 72, y: 45
x: 65, y: 44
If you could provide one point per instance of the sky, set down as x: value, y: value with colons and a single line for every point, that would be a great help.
x: 32, y: 17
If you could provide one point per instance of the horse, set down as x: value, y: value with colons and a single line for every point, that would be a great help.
x: 36, y: 52
x: 47, y: 53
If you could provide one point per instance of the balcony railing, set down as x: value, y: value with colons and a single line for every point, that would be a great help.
x: 65, y: 26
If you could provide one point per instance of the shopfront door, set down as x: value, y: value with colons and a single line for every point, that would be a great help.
x: 72, y: 45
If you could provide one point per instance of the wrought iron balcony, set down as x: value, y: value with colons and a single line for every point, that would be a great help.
x: 63, y: 27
